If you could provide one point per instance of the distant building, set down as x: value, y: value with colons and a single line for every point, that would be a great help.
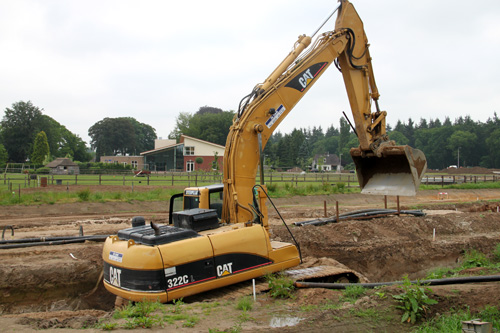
x: 326, y: 162
x: 63, y: 166
x: 182, y: 156
x: 171, y: 156
x: 137, y: 162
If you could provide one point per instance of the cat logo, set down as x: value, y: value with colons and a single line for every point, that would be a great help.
x: 304, y: 79
x: 114, y: 276
x: 225, y: 269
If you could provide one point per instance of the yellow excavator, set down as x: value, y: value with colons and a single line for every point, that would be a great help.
x: 219, y: 234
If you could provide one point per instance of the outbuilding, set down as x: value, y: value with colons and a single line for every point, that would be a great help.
x: 63, y: 166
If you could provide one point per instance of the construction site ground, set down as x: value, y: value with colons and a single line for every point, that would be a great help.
x: 48, y: 287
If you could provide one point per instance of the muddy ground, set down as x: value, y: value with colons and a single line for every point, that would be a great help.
x: 59, y: 286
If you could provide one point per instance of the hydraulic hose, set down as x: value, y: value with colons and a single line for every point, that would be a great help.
x: 15, y: 244
x: 433, y: 282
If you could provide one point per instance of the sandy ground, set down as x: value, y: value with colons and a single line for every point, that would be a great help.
x: 59, y: 286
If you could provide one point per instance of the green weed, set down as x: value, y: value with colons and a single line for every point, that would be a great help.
x: 84, y: 195
x: 440, y: 273
x: 452, y: 322
x: 108, y: 326
x: 474, y: 258
x: 178, y: 303
x: 280, y: 286
x: 413, y: 301
x: 191, y: 321
x: 137, y: 310
x: 496, y: 253
x: 352, y: 293
x: 244, y: 304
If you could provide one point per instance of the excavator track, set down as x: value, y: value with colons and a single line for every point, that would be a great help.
x: 331, y: 272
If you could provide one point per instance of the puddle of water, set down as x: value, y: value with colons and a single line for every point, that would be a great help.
x: 284, y: 321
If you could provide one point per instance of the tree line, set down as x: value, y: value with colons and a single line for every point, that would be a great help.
x: 27, y: 134
x: 464, y: 143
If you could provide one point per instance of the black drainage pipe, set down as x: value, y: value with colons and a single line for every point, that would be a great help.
x: 42, y: 239
x: 433, y: 282
x: 70, y: 240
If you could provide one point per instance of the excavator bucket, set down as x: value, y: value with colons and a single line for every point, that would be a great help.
x: 397, y: 171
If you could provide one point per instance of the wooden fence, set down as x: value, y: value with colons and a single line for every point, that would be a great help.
x: 199, y: 179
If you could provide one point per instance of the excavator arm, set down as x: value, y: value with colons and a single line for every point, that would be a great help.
x: 382, y: 167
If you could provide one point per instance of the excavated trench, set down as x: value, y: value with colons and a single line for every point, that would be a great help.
x: 68, y: 277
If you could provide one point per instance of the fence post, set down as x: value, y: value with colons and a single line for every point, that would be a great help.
x: 271, y: 178
x: 442, y: 181
x: 172, y: 179
x: 99, y: 179
x: 148, y: 178
x: 76, y: 179
x: 123, y: 180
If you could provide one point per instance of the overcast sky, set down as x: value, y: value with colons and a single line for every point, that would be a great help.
x: 81, y: 61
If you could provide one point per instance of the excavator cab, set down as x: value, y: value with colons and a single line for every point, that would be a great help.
x: 205, y: 197
x: 393, y: 170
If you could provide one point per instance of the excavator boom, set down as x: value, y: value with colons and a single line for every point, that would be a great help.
x: 382, y: 167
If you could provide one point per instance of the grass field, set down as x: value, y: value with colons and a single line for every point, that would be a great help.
x: 13, y: 187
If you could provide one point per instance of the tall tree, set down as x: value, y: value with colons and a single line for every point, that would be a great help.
x: 345, y: 128
x: 124, y: 135
x: 211, y: 125
x: 181, y: 125
x: 24, y: 121
x: 40, y: 148
x: 493, y: 142
x: 19, y: 127
x: 4, y: 156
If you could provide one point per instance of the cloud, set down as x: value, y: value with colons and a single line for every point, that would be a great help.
x: 82, y: 61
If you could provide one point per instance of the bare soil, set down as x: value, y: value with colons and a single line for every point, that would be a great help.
x: 60, y: 286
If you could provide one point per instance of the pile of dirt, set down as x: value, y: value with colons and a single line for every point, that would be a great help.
x: 385, y: 249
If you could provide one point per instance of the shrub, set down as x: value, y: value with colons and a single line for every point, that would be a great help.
x: 496, y: 253
x: 474, y: 258
x: 413, y: 301
x: 83, y: 195
x: 280, y: 286
x: 43, y: 171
